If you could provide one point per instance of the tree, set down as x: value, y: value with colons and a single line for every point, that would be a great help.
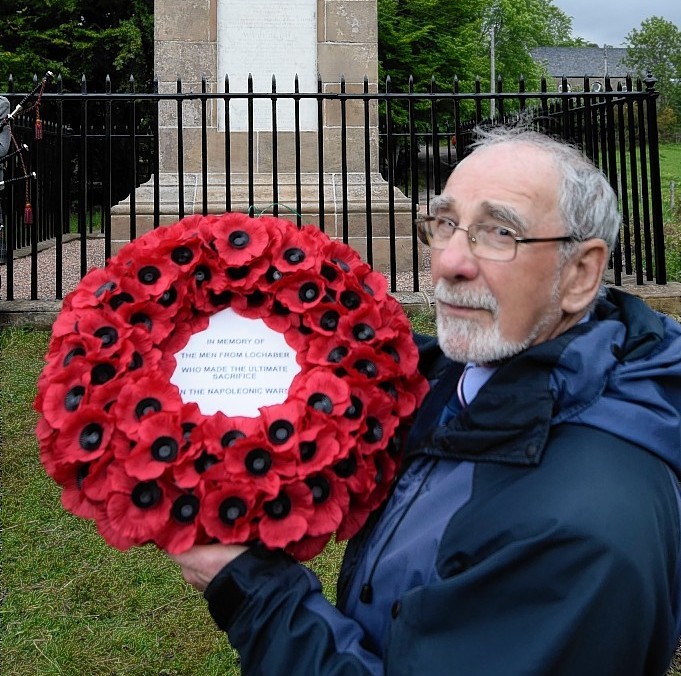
x: 447, y: 38
x: 656, y: 47
x: 73, y: 38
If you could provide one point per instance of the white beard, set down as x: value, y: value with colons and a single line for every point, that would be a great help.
x: 465, y: 340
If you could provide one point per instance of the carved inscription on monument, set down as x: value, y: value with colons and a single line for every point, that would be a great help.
x: 266, y: 38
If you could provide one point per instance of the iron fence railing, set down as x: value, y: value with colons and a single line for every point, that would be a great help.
x: 99, y: 147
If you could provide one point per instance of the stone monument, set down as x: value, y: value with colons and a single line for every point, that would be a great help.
x: 202, y: 41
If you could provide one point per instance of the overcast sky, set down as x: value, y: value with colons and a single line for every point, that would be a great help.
x: 609, y: 21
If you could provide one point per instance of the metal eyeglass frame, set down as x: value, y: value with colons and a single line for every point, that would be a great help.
x: 424, y: 232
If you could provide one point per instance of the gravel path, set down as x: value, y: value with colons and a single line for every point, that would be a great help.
x: 95, y: 258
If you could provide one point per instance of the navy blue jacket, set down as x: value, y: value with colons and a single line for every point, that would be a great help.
x: 538, y: 532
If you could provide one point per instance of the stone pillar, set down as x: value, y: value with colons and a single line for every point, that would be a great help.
x: 204, y: 39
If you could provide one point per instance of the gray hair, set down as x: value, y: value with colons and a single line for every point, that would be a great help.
x: 586, y: 200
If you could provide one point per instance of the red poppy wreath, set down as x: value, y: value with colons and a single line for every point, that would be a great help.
x: 145, y: 396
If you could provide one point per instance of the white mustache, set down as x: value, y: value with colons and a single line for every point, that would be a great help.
x: 465, y: 297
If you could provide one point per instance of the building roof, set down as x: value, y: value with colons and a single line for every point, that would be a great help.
x: 582, y: 61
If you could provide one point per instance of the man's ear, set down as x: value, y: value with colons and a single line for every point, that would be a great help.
x: 582, y: 275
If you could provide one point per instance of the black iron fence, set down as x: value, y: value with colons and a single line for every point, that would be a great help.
x: 98, y: 148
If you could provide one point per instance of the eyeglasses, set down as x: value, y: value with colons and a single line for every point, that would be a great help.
x: 489, y: 242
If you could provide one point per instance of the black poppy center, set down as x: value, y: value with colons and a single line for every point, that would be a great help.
x: 91, y: 436
x: 81, y: 473
x: 231, y: 509
x: 366, y: 367
x: 185, y: 508
x: 279, y: 508
x: 320, y: 402
x: 107, y: 334
x: 182, y: 255
x: 329, y: 273
x: 280, y: 309
x: 164, y: 449
x: 231, y: 437
x: 341, y: 264
x: 273, y: 275
x: 136, y: 362
x: 280, y: 431
x: 329, y: 320
x: 222, y: 298
x: 354, y: 411
x: 102, y: 373
x: 76, y: 352
x: 238, y: 273
x: 147, y: 405
x: 146, y: 494
x: 319, y: 487
x: 346, y: 467
x: 168, y: 298
x: 307, y: 450
x: 107, y: 286
x: 238, y: 239
x: 350, y: 300
x: 294, y: 255
x: 187, y: 428
x: 204, y: 461
x: 258, y: 462
x: 363, y: 332
x: 201, y: 274
x: 392, y: 352
x: 141, y: 318
x: 120, y: 299
x: 73, y: 397
x: 337, y: 354
x: 308, y: 292
x: 374, y: 431
x: 149, y: 274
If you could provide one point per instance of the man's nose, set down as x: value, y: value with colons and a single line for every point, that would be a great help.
x: 456, y: 260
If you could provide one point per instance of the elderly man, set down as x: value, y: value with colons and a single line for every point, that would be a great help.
x: 534, y: 528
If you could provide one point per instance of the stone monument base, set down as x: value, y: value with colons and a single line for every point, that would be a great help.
x: 287, y: 198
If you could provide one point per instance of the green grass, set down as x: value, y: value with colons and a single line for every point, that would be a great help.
x: 670, y: 171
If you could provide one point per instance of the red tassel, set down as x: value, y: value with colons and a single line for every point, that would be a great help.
x: 28, y: 214
x: 38, y: 129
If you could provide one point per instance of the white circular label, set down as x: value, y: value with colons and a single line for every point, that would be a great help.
x: 236, y: 366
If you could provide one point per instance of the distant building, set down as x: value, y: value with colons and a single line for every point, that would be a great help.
x: 576, y: 63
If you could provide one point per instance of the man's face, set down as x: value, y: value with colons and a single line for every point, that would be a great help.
x: 490, y: 310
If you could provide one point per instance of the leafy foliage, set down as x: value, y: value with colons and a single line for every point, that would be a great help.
x: 656, y: 47
x: 76, y: 38
x: 448, y: 38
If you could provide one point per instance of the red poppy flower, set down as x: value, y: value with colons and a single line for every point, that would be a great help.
x: 308, y: 547
x: 227, y: 511
x: 300, y: 291
x: 150, y: 317
x: 285, y: 517
x: 279, y: 424
x: 238, y: 239
x: 320, y: 443
x: 297, y: 251
x: 141, y: 397
x: 322, y: 391
x: 330, y: 500
x: 184, y: 527
x: 73, y: 497
x: 160, y: 445
x: 254, y: 461
x: 85, y: 437
x: 136, y: 511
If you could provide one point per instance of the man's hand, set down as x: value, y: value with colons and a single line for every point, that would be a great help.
x: 202, y: 563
